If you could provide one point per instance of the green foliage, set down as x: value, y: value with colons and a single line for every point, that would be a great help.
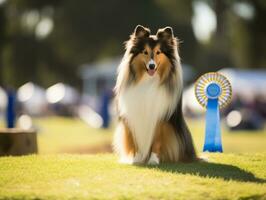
x: 87, y: 31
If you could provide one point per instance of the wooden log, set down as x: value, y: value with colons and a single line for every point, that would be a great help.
x: 15, y: 142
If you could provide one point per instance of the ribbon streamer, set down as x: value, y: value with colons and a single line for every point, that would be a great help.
x: 213, y: 141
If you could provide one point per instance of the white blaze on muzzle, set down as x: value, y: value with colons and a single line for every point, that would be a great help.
x: 151, y: 62
x: 151, y: 68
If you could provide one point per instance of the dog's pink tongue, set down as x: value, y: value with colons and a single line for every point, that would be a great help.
x: 151, y: 72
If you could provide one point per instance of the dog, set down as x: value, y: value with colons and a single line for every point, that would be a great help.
x: 148, y: 94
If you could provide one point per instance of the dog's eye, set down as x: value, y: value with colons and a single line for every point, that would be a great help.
x: 158, y: 52
x: 145, y: 52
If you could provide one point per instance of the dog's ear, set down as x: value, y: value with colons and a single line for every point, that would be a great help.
x: 141, y: 32
x: 165, y: 33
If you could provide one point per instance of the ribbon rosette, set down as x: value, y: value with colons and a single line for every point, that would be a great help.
x: 213, y: 91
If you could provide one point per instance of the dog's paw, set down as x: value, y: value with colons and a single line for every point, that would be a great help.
x: 126, y: 160
x: 154, y: 159
x: 138, y: 159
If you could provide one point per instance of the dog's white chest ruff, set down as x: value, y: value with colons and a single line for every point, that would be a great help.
x: 143, y: 105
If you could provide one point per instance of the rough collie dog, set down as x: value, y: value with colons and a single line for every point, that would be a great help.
x: 148, y: 92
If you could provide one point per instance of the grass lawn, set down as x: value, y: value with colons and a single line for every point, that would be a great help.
x: 239, y: 173
x: 66, y: 135
x: 69, y: 135
x: 225, y: 176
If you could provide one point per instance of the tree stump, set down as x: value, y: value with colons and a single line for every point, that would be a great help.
x: 15, y: 142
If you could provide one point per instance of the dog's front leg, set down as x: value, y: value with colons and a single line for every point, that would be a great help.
x: 156, y: 148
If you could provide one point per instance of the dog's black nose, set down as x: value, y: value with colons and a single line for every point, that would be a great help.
x: 151, y: 66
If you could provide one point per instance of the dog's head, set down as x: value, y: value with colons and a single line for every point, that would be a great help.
x: 152, y: 54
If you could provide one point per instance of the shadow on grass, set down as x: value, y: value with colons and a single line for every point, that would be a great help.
x: 211, y: 170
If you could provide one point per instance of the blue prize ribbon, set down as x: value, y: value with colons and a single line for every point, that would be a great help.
x: 213, y: 132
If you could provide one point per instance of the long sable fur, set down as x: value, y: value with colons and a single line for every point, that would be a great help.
x: 170, y: 49
x: 177, y: 120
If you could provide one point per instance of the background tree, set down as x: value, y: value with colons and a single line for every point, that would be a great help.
x: 46, y: 41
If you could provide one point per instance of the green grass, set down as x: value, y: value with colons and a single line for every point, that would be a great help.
x: 225, y: 176
x: 233, y: 141
x: 70, y: 135
x: 239, y: 173
x: 66, y: 135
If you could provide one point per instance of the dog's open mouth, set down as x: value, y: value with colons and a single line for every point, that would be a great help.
x: 151, y: 71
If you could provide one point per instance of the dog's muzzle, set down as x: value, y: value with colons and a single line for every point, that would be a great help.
x: 151, y: 68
